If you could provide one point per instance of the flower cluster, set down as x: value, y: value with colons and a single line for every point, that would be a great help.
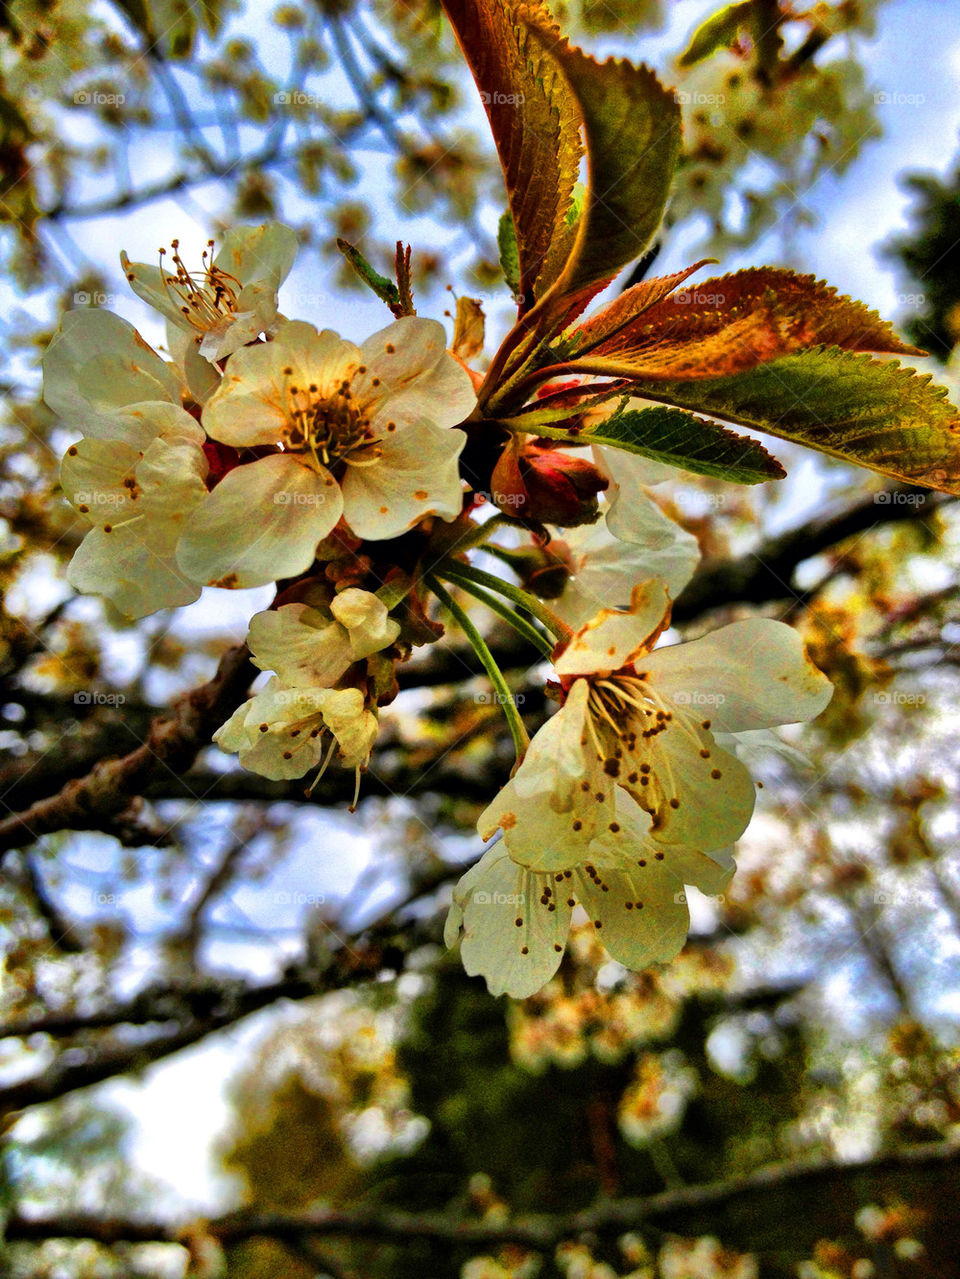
x: 261, y: 450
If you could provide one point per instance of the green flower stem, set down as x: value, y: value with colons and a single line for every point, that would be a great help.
x: 479, y: 534
x: 518, y: 732
x: 536, y: 608
x: 498, y: 606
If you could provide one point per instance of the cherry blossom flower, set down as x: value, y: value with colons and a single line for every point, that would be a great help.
x: 365, y: 433
x: 312, y: 648
x: 513, y: 922
x: 138, y: 500
x: 300, y: 720
x: 282, y: 732
x: 231, y: 299
x: 635, y: 728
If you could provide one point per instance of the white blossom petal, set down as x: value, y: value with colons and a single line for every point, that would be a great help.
x: 605, y: 569
x: 417, y: 475
x: 509, y: 933
x: 97, y: 365
x: 235, y: 310
x: 611, y: 640
x: 418, y: 378
x: 140, y: 504
x: 201, y: 377
x: 550, y: 810
x: 697, y: 793
x: 277, y: 732
x: 366, y: 620
x: 751, y: 674
x: 261, y: 523
x: 305, y: 648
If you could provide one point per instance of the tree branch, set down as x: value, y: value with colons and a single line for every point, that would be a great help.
x: 831, y: 1182
x: 766, y: 574
x: 106, y: 795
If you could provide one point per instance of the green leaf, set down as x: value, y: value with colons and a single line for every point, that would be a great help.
x: 632, y: 129
x: 509, y: 258
x: 718, y: 32
x: 849, y: 406
x: 679, y: 439
x: 385, y: 289
x: 535, y: 124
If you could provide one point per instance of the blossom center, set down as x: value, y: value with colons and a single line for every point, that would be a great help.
x: 204, y: 298
x: 333, y: 427
x: 625, y: 719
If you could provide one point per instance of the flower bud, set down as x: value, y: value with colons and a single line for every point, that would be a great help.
x: 538, y: 482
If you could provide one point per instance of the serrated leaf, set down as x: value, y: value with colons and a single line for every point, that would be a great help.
x: 679, y: 439
x: 535, y: 123
x: 849, y: 406
x: 718, y: 32
x: 628, y: 306
x: 729, y: 324
x: 509, y: 258
x: 632, y: 128
x: 385, y: 289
